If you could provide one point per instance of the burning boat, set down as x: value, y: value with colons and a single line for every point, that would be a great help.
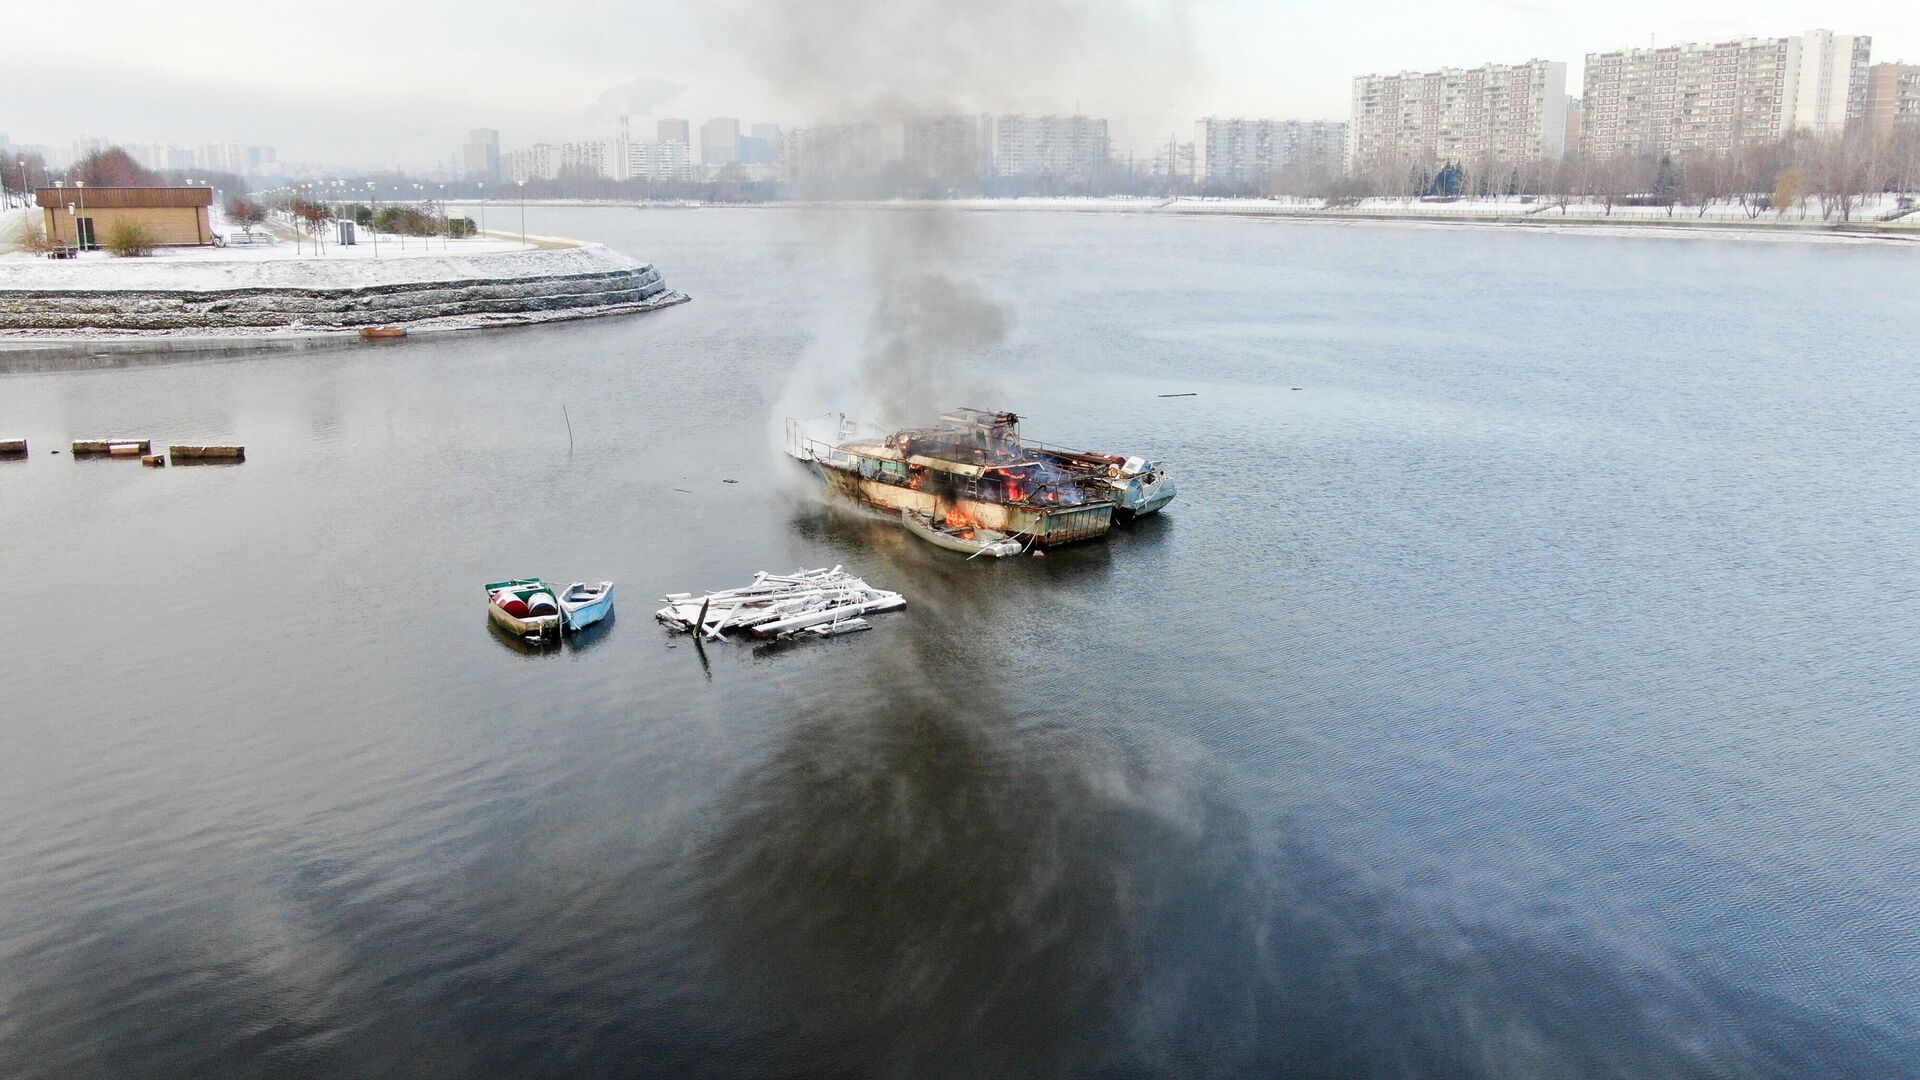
x: 973, y: 469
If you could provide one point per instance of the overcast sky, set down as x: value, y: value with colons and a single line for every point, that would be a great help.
x: 366, y: 82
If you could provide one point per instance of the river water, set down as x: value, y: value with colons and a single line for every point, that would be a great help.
x: 1523, y: 684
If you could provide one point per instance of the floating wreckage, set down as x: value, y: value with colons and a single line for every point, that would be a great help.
x: 805, y: 603
x: 972, y: 474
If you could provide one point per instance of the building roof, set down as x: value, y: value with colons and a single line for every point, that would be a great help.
x: 124, y: 198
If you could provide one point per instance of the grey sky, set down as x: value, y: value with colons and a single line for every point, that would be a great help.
x: 358, y: 81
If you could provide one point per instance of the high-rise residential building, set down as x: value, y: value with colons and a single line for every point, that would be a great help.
x: 829, y: 152
x: 90, y: 144
x: 673, y: 131
x: 1710, y: 98
x: 757, y: 151
x: 1830, y: 90
x: 950, y: 148
x: 1065, y: 147
x: 1893, y: 98
x: 584, y: 161
x: 224, y: 156
x: 770, y: 135
x: 154, y: 155
x: 1507, y: 112
x: 720, y: 141
x: 1255, y: 152
x: 541, y: 161
x: 1576, y: 121
x: 480, y: 156
x: 663, y: 160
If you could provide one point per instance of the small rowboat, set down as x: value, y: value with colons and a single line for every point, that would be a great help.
x: 524, y: 606
x: 582, y: 605
x: 972, y: 539
x: 381, y: 333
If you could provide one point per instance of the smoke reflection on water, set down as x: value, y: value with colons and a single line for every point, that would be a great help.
x: 939, y: 873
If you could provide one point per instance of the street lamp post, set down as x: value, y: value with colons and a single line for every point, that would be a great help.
x: 373, y: 195
x: 523, y: 212
x: 82, y: 222
x: 483, y: 209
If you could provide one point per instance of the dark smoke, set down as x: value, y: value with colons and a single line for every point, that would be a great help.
x: 932, y: 318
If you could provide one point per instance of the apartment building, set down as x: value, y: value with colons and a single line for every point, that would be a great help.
x: 1694, y: 98
x: 541, y: 161
x: 1893, y: 98
x: 1830, y: 85
x: 1254, y: 152
x: 480, y: 156
x: 1509, y: 112
x: 585, y: 161
x: 950, y: 148
x: 720, y: 141
x: 1066, y: 147
x: 828, y: 152
x: 673, y: 131
x: 662, y: 160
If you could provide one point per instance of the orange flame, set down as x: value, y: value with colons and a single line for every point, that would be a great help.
x: 958, y: 519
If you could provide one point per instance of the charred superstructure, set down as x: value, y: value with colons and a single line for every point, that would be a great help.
x: 974, y: 469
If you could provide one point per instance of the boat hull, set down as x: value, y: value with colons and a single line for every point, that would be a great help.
x: 922, y: 527
x: 533, y: 626
x: 581, y: 616
x: 539, y: 626
x: 1151, y: 506
x: 1046, y: 526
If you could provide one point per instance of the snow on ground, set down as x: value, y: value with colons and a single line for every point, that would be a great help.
x: 1511, y: 207
x: 275, y: 242
x: 13, y: 226
x: 1721, y: 219
x: 247, y: 268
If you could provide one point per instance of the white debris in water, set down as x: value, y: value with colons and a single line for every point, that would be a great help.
x: 821, y: 603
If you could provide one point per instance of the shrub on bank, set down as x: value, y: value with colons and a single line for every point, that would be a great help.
x: 129, y: 238
x: 34, y: 239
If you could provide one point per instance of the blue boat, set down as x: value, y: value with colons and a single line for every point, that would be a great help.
x: 582, y: 605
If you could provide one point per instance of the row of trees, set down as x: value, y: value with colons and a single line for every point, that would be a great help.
x: 1800, y: 175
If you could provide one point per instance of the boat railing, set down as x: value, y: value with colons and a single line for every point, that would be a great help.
x: 803, y: 446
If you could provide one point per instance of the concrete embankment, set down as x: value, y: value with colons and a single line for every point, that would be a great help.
x: 135, y: 297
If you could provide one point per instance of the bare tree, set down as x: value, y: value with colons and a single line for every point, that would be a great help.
x: 1844, y: 169
x: 245, y: 211
x: 113, y: 167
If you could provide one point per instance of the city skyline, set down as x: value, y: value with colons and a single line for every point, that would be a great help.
x: 1216, y: 59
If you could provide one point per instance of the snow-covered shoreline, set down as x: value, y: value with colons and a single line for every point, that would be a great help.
x: 247, y: 295
x: 1723, y: 221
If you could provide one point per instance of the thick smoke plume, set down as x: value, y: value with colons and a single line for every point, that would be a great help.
x: 931, y: 318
